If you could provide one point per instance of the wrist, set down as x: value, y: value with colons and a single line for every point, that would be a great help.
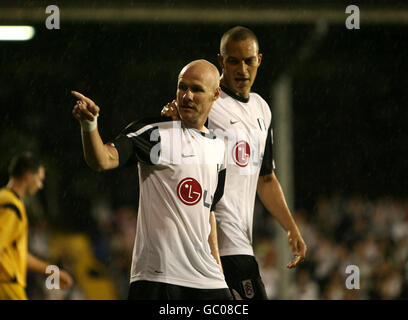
x: 293, y: 230
x: 88, y: 126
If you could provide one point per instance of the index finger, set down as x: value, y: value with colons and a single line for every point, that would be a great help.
x: 81, y: 97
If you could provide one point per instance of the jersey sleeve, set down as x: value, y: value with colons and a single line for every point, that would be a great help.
x: 138, y: 143
x: 222, y: 164
x: 219, y: 192
x: 10, y: 217
x: 268, y: 162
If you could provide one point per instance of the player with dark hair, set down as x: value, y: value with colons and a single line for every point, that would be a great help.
x: 26, y: 178
x: 245, y: 119
x: 181, y: 178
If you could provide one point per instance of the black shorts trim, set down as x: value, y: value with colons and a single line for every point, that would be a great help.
x: 151, y: 290
x: 242, y: 276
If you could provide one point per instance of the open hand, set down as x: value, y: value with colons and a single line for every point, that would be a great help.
x: 65, y: 280
x: 299, y: 248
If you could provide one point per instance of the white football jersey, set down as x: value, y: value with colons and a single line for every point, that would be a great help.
x: 181, y: 177
x: 246, y: 126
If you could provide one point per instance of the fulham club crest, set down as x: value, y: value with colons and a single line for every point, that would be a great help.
x: 248, y: 288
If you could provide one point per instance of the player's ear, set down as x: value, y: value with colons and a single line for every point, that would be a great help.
x: 217, y: 93
x: 27, y: 175
x: 259, y: 59
x: 220, y: 59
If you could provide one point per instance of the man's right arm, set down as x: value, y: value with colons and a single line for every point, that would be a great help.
x: 98, y: 156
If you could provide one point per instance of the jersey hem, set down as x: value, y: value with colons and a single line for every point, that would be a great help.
x: 236, y: 251
x: 184, y: 283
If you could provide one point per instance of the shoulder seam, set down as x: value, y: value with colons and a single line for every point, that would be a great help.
x: 12, y: 207
x: 136, y: 125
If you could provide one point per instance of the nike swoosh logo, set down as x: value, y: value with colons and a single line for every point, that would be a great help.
x: 187, y: 155
x: 234, y: 121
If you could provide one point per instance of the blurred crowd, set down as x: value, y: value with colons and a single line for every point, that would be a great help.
x: 99, y: 262
x: 357, y: 249
x: 371, y: 236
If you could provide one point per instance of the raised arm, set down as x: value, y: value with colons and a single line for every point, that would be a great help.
x: 98, y: 156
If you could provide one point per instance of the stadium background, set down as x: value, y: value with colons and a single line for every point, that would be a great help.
x: 350, y: 140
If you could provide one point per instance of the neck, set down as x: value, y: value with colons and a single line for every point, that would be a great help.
x: 243, y: 95
x: 199, y: 127
x: 17, y: 187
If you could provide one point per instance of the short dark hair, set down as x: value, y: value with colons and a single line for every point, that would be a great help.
x: 237, y: 33
x: 23, y: 163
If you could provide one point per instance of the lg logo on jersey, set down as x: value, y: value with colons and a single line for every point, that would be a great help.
x: 190, y: 192
x: 245, y: 155
x: 241, y: 153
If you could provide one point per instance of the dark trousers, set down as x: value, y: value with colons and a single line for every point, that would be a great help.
x: 242, y: 276
x: 151, y: 290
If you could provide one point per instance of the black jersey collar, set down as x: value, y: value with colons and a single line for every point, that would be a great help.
x: 209, y: 135
x: 233, y: 95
